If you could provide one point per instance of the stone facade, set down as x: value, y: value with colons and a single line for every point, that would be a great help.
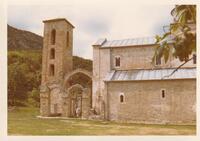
x: 131, y: 58
x: 62, y: 60
x: 145, y: 101
x: 57, y: 96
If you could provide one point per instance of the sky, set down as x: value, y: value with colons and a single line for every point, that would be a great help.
x: 94, y: 21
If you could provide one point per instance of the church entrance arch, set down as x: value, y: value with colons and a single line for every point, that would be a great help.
x: 75, y: 97
x: 78, y: 86
x: 67, y: 78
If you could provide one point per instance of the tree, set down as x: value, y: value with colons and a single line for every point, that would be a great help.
x: 180, y: 40
x: 34, y: 97
x: 24, y: 74
x: 16, y: 84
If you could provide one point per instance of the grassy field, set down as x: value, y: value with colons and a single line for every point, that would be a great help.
x: 23, y: 121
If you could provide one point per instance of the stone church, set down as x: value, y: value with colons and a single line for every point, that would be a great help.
x: 124, y: 86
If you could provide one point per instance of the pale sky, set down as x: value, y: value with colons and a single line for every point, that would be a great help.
x: 94, y: 21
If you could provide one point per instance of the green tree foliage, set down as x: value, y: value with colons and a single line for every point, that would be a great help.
x: 24, y: 75
x: 180, y: 40
x: 16, y: 83
x: 34, y: 97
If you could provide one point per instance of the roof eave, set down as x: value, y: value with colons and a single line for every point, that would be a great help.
x: 129, y: 46
x: 108, y: 81
x: 59, y: 19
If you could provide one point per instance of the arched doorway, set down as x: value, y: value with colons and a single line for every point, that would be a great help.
x: 75, y: 100
x: 78, y: 86
x: 69, y: 81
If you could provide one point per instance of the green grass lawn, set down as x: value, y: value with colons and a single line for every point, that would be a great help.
x: 23, y: 121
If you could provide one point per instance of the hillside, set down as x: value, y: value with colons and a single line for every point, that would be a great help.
x: 23, y: 39
x: 24, y: 67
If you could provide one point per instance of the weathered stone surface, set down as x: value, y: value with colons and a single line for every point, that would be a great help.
x: 143, y: 100
x: 58, y: 98
x: 136, y: 57
x: 62, y: 62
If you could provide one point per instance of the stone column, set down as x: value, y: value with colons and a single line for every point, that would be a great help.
x: 66, y: 105
x: 44, y: 101
x: 85, y: 103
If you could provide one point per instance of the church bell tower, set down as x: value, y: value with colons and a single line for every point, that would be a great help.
x: 57, y: 49
x: 56, y: 62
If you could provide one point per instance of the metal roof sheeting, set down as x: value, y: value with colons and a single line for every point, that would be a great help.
x: 156, y: 74
x: 126, y: 42
x: 100, y: 42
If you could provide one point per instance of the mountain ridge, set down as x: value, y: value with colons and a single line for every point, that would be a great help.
x: 22, y: 39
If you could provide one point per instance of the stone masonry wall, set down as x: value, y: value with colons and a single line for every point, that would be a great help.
x: 101, y: 66
x: 144, y: 102
x: 52, y: 103
x: 63, y: 53
x: 137, y: 57
x: 140, y: 57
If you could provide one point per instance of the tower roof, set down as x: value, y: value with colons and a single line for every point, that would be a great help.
x: 58, y: 19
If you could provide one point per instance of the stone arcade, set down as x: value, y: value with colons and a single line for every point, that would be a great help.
x: 124, y: 86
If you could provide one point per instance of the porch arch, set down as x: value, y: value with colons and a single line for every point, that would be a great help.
x: 75, y: 86
x: 67, y: 76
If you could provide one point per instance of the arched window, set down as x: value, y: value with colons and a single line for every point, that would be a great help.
x: 51, y: 70
x: 53, y: 37
x: 163, y: 93
x: 52, y: 53
x: 67, y: 38
x: 158, y: 61
x: 117, y: 61
x: 121, y: 97
x: 194, y: 59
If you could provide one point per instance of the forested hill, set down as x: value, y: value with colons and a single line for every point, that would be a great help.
x: 23, y: 39
x: 24, y: 67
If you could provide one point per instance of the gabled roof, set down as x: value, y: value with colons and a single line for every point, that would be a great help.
x: 125, y: 42
x: 155, y: 74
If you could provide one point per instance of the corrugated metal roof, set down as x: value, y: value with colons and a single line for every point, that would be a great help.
x: 126, y: 42
x: 157, y: 74
x: 100, y: 42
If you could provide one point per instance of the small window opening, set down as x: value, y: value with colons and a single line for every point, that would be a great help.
x: 194, y: 59
x: 121, y: 98
x: 158, y: 61
x: 53, y: 37
x: 67, y: 38
x: 117, y: 61
x: 52, y: 70
x: 163, y: 93
x: 52, y: 53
